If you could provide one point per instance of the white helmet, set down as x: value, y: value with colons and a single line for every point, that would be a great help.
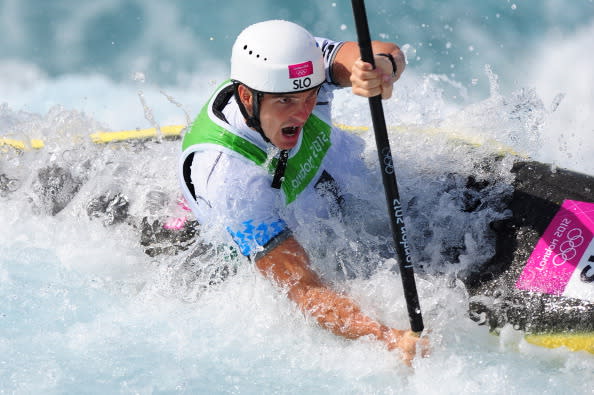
x: 277, y: 57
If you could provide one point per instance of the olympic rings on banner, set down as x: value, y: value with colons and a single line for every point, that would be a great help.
x: 568, y: 249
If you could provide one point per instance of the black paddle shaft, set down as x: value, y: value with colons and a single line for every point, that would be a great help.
x: 389, y: 178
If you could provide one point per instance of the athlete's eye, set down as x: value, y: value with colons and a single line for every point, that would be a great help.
x: 284, y: 100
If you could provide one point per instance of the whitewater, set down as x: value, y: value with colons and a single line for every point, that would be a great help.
x: 85, y: 308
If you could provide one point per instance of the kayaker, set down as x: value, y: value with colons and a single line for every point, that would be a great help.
x: 264, y: 148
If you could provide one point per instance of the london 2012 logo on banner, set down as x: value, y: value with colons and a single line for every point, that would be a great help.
x: 562, y: 262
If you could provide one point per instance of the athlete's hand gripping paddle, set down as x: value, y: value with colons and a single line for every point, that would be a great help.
x: 389, y: 178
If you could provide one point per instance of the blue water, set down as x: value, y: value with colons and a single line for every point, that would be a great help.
x: 85, y: 310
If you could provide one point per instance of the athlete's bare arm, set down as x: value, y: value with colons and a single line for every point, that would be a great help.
x: 288, y: 266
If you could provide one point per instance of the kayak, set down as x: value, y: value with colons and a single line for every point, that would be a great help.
x: 540, y: 280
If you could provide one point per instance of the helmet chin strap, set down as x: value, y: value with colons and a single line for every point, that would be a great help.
x: 252, y: 121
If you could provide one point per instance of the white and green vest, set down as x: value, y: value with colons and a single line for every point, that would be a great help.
x: 304, y: 160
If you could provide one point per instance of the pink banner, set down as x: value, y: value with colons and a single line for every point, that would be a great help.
x: 565, y: 246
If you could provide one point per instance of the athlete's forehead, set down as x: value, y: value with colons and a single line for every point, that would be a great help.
x: 302, y: 94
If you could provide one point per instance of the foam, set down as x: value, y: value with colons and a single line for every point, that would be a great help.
x: 87, y: 309
x: 562, y: 75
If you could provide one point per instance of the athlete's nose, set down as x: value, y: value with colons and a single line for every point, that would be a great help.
x: 303, y: 111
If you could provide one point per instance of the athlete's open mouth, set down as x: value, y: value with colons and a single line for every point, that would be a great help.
x: 290, y: 131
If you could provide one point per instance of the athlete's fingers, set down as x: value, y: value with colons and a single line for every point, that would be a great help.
x: 367, y: 92
x: 363, y: 71
x: 365, y: 80
x: 368, y: 81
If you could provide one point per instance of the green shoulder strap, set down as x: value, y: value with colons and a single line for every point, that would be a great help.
x: 302, y: 166
x: 204, y: 130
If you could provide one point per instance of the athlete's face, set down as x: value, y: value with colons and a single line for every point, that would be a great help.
x: 282, y: 116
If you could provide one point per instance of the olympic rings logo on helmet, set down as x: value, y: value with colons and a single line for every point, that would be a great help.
x: 568, y: 249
